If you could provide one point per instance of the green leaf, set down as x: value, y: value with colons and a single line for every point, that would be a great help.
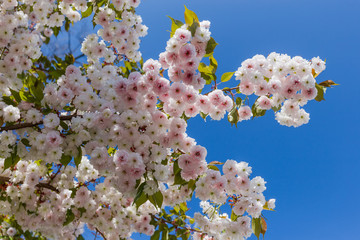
x: 184, y: 207
x: 165, y: 235
x: 82, y: 210
x: 56, y: 31
x: 36, y: 88
x: 9, y: 100
x: 69, y: 217
x: 320, y: 94
x: 257, y: 112
x: 233, y: 216
x: 141, y: 200
x: 88, y: 11
x: 77, y: 159
x: 227, y: 76
x: 215, y: 168
x: 328, y: 83
x: 42, y: 75
x: 233, y: 116
x: 211, y: 44
x: 193, y: 28
x: 238, y: 102
x: 15, y: 159
x: 69, y: 59
x: 190, y: 17
x: 80, y: 237
x: 213, y: 63
x: 65, y: 159
x: 177, y: 208
x: 12, y: 160
x: 156, y: 235
x: 203, y: 115
x: 26, y: 142
x: 140, y: 194
x: 26, y: 96
x: 263, y: 226
x: 178, y: 180
x: 100, y: 3
x: 277, y: 108
x: 67, y: 24
x: 216, y: 163
x: 158, y: 199
x: 172, y: 237
x: 8, y: 162
x: 64, y: 125
x: 266, y: 207
x: 203, y: 68
x: 256, y: 226
x: 16, y: 95
x: 175, y: 25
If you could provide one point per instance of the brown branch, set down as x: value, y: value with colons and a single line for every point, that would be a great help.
x: 229, y: 89
x: 39, y: 185
x: 25, y: 125
x: 224, y: 90
x: 97, y: 230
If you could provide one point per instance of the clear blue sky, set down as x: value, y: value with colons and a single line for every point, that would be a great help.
x: 313, y: 170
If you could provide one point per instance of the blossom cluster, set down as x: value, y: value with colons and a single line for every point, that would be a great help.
x: 280, y: 79
x: 248, y: 195
x: 51, y: 207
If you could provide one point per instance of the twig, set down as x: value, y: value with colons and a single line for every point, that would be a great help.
x: 97, y: 230
x: 39, y: 185
x: 25, y: 125
x: 224, y: 90
x: 80, y: 56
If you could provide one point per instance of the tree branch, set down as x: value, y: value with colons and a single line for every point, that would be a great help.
x: 25, y: 125
x: 97, y: 230
x: 39, y: 185
x: 224, y: 90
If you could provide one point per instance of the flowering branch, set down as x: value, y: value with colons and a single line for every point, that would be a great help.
x: 25, y: 125
x: 39, y: 185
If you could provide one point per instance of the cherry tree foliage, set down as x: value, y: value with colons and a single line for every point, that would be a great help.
x: 104, y: 144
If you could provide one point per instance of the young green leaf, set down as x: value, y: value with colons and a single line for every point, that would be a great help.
x: 227, y: 76
x: 69, y: 217
x: 233, y: 116
x: 256, y: 227
x: 238, y: 102
x: 320, y: 94
x: 77, y: 159
x: 190, y: 17
x: 156, y: 235
x: 175, y: 25
x: 88, y: 11
x: 65, y: 159
x: 211, y: 44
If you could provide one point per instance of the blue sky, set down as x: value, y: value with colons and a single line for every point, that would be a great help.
x: 312, y: 170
